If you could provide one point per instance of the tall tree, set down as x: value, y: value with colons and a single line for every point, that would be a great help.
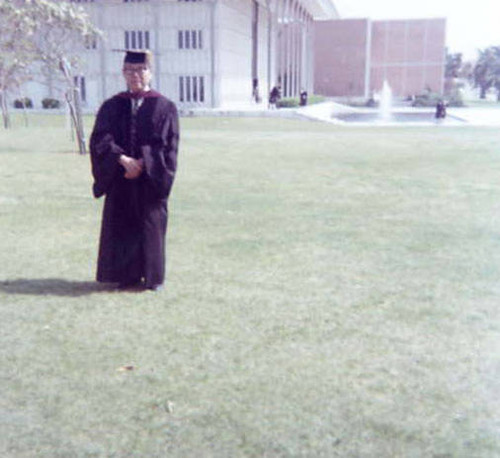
x: 453, y: 65
x: 486, y: 72
x: 55, y: 33
x: 64, y: 30
x: 17, y: 53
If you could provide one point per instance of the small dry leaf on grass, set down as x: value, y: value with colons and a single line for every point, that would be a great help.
x: 168, y: 407
x: 125, y: 368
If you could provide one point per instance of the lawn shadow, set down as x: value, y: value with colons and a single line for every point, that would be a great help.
x: 53, y: 287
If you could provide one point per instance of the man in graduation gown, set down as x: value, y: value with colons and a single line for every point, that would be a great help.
x: 133, y: 150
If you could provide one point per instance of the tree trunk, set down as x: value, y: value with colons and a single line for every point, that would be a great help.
x: 73, y: 99
x: 79, y: 122
x: 482, y: 95
x: 5, y: 109
x: 25, y: 114
x: 76, y: 118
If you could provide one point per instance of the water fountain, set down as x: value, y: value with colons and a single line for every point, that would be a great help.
x: 386, y: 115
x: 385, y: 107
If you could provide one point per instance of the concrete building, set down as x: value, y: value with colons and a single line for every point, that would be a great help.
x: 354, y: 56
x: 207, y: 53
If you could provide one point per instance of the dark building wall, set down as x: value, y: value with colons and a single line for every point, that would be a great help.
x: 340, y: 57
x: 409, y: 54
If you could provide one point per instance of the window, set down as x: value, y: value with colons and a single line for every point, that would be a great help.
x: 134, y: 1
x: 190, y: 39
x: 90, y: 42
x: 191, y: 88
x: 200, y: 39
x: 137, y: 39
x: 79, y: 82
x: 189, y: 0
x: 81, y: 1
x: 188, y: 88
x: 181, y: 88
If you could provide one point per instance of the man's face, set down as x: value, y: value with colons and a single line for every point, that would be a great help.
x: 137, y: 76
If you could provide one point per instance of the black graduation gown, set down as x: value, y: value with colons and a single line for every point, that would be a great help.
x: 135, y: 214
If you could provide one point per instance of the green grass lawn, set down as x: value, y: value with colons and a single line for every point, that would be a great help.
x: 478, y: 103
x: 331, y: 292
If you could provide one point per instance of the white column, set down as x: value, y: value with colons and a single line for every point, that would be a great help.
x: 304, y: 81
x: 287, y: 50
x: 214, y: 73
x: 284, y: 6
x: 293, y: 62
x: 272, y: 45
x: 279, y: 40
x: 298, y: 65
x: 310, y: 51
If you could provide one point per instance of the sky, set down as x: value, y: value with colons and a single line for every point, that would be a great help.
x: 470, y: 25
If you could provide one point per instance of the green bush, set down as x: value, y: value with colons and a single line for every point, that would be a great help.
x: 24, y: 102
x: 427, y: 99
x: 290, y: 102
x: 430, y: 99
x: 456, y: 99
x: 51, y: 103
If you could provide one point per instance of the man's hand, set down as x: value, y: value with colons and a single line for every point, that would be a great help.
x: 133, y: 167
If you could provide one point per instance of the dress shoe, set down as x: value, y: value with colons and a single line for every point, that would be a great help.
x: 155, y: 288
x: 128, y: 284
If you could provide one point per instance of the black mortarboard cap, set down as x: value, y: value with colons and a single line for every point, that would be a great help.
x: 139, y: 57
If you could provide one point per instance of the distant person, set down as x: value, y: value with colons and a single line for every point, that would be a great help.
x: 133, y: 150
x: 440, y: 110
x: 255, y: 90
x: 303, y: 98
x: 274, y: 97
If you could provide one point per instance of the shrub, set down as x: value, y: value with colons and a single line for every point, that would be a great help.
x: 25, y: 102
x: 289, y: 102
x: 51, y: 103
x: 456, y: 99
x: 427, y: 99
x: 430, y: 99
x: 292, y: 102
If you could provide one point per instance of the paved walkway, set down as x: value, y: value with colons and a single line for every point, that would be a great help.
x: 325, y: 112
x: 456, y: 116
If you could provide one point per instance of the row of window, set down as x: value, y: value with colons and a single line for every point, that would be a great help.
x: 190, y: 39
x: 137, y: 39
x: 140, y: 39
x: 187, y: 39
x: 191, y: 88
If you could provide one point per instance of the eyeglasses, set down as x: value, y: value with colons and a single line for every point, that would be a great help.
x: 136, y: 71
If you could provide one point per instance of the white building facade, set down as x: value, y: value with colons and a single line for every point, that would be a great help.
x: 207, y: 53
